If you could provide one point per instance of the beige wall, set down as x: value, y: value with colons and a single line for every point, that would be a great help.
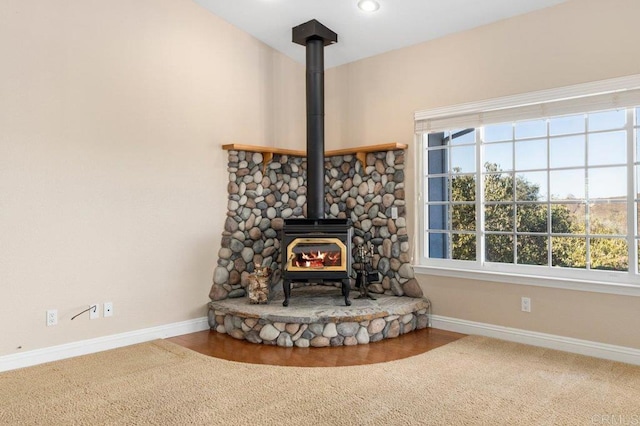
x: 112, y: 176
x: 575, y: 42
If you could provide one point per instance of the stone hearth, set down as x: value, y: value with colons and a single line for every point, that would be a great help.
x: 268, y: 186
x: 317, y: 317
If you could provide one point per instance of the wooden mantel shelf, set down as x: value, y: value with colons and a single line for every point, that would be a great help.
x: 360, y: 152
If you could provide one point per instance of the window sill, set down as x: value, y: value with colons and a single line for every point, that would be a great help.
x: 521, y: 279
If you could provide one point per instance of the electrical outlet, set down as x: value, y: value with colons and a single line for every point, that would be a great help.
x: 52, y: 317
x: 394, y: 212
x: 526, y: 304
x: 107, y: 309
x: 94, y: 312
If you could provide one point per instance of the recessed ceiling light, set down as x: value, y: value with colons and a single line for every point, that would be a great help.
x: 368, y: 5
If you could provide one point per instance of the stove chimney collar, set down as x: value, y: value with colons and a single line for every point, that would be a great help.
x: 313, y: 30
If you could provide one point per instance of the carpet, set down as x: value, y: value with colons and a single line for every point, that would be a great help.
x: 474, y: 380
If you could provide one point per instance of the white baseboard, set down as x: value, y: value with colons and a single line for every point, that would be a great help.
x: 551, y: 341
x: 83, y: 347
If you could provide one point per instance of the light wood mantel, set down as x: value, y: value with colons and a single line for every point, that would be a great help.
x: 360, y: 152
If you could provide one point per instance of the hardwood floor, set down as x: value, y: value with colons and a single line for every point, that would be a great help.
x: 226, y: 347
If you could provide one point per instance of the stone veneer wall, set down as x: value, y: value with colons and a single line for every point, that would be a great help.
x: 320, y: 334
x: 262, y: 196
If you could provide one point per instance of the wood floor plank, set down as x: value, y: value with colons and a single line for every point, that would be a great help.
x: 226, y: 347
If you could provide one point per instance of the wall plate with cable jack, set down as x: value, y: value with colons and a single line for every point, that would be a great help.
x: 94, y: 312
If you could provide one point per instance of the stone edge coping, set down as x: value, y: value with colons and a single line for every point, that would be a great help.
x: 338, y: 315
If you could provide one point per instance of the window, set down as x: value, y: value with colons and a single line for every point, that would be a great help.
x: 524, y: 191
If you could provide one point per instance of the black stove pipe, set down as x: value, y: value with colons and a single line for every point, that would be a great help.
x: 315, y: 36
x: 315, y: 128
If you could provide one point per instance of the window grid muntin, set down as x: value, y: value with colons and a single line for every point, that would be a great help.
x: 633, y: 215
x: 631, y: 128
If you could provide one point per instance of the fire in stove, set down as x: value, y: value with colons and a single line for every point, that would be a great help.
x: 316, y: 253
x: 317, y: 259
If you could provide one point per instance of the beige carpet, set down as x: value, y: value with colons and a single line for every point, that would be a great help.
x: 474, y: 380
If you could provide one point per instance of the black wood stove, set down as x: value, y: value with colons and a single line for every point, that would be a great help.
x: 315, y: 249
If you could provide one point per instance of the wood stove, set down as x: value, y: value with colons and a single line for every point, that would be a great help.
x: 317, y: 251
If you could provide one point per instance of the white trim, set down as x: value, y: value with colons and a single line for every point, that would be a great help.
x: 84, y: 347
x: 550, y: 341
x: 567, y: 92
x: 587, y: 280
x: 538, y: 281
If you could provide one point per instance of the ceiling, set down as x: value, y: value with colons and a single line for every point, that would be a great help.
x: 397, y: 24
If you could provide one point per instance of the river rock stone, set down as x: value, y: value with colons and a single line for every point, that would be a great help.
x: 320, y: 342
x: 384, y: 265
x: 350, y: 341
x: 386, y: 248
x: 284, y: 340
x: 292, y: 328
x: 316, y: 328
x: 247, y: 254
x: 230, y: 225
x: 406, y: 271
x: 375, y: 288
x: 396, y: 287
x: 411, y: 288
x: 422, y: 322
x: 253, y: 336
x: 330, y: 330
x: 236, y: 333
x: 390, y: 158
x: 395, y: 249
x: 218, y: 292
x: 376, y: 326
x: 225, y: 253
x: 238, y: 292
x: 347, y: 329
x: 234, y: 277
x: 336, y: 341
x: 395, y: 264
x: 235, y: 245
x: 362, y: 336
x: 269, y: 332
x: 220, y: 275
x: 393, y: 329
x: 302, y: 343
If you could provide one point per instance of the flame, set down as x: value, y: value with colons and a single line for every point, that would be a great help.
x: 318, y: 259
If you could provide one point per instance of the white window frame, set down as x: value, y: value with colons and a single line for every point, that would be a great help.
x: 605, y: 94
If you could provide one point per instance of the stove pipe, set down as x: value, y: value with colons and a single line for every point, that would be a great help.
x: 315, y: 36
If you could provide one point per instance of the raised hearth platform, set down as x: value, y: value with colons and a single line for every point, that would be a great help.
x: 318, y: 317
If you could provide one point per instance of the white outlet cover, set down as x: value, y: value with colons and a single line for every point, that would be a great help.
x: 52, y: 317
x: 107, y: 310
x: 394, y: 212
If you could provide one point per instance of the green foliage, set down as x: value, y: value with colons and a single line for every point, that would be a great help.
x: 605, y: 253
x: 501, y: 193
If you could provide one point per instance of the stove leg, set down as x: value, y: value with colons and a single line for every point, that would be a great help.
x: 286, y: 286
x: 346, y: 287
